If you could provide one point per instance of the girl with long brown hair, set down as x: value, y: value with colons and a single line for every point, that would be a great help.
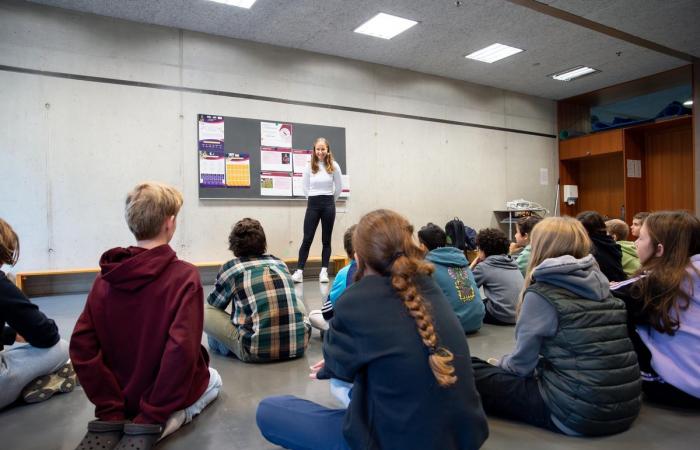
x: 663, y: 302
x: 396, y: 338
x: 573, y: 369
x: 323, y: 185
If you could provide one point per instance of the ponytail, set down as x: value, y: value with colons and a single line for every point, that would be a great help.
x: 403, y: 272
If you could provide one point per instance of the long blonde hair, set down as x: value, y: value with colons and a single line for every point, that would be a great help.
x: 328, y: 160
x: 553, y: 237
x: 383, y: 240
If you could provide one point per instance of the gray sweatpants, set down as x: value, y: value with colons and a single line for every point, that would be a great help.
x: 20, y: 365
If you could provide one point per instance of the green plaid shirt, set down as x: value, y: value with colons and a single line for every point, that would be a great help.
x: 266, y: 311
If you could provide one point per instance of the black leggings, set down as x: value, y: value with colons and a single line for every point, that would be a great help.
x: 319, y: 207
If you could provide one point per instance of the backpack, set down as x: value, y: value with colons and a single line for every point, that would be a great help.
x: 460, y: 235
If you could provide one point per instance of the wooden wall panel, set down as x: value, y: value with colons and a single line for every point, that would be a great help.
x: 669, y: 169
x: 601, y: 185
x: 592, y: 144
x: 635, y: 188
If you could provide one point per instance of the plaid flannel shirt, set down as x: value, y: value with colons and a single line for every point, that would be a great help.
x: 266, y: 312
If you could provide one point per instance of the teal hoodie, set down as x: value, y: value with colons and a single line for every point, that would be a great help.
x: 457, y: 282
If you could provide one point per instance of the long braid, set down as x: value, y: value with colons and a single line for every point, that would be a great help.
x: 403, y: 272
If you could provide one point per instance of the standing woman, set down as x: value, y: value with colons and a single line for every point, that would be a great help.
x: 323, y: 184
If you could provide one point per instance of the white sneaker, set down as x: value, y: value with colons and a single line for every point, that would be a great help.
x: 298, y: 276
x: 323, y: 276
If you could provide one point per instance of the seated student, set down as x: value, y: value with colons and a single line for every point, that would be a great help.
x: 523, y: 228
x: 637, y: 222
x: 604, y: 249
x: 136, y: 346
x: 619, y: 230
x: 454, y: 277
x: 499, y: 275
x: 45, y: 357
x: 267, y: 322
x: 343, y: 279
x: 664, y: 308
x: 396, y: 337
x: 573, y: 369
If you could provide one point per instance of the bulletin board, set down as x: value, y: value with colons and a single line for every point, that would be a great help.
x: 256, y: 159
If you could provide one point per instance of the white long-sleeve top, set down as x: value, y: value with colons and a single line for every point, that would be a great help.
x: 323, y: 183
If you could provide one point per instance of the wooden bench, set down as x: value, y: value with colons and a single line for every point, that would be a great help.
x: 73, y: 281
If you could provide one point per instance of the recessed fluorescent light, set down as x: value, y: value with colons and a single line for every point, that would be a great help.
x: 574, y: 72
x: 240, y: 3
x: 688, y: 103
x: 493, y: 53
x: 385, y: 26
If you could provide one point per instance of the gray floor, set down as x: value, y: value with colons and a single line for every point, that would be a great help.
x: 229, y: 423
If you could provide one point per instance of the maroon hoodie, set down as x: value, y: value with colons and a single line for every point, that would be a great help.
x: 137, y: 345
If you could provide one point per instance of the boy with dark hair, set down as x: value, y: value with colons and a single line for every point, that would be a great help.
x: 267, y: 323
x: 454, y: 277
x: 619, y: 230
x: 343, y: 279
x: 498, y: 274
x: 136, y: 346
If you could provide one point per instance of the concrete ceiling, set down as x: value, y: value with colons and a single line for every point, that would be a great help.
x: 446, y: 32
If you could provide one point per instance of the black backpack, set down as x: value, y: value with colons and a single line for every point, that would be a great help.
x: 460, y: 235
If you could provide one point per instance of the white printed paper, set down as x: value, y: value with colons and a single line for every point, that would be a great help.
x: 346, y: 187
x: 275, y: 159
x: 544, y: 176
x: 276, y: 134
x: 301, y: 160
x: 275, y: 183
x: 298, y: 185
x: 634, y: 168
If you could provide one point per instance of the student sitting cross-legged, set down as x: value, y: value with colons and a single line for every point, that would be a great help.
x: 455, y: 278
x: 39, y: 368
x: 395, y: 335
x: 137, y: 344
x: 343, y: 279
x: 268, y: 322
x: 498, y: 274
x: 573, y: 369
x: 663, y: 304
x: 619, y: 230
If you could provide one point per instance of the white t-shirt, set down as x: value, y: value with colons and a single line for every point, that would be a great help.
x: 322, y: 182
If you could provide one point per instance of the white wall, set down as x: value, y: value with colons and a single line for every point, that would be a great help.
x: 70, y: 150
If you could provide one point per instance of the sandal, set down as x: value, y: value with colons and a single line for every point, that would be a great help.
x: 44, y: 387
x: 102, y: 435
x: 139, y: 436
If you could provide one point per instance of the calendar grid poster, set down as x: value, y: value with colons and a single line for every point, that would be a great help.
x: 258, y: 159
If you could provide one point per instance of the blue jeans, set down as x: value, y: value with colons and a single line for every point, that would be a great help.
x: 299, y: 424
x: 21, y: 364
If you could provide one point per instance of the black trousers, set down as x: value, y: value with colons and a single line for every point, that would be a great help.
x: 319, y: 208
x: 510, y: 396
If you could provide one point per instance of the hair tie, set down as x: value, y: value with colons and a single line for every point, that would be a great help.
x: 432, y: 350
x: 391, y: 262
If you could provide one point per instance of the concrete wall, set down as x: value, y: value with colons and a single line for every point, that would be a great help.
x: 71, y: 149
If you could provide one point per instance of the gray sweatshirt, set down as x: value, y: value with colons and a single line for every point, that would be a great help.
x: 538, y: 318
x: 502, y: 282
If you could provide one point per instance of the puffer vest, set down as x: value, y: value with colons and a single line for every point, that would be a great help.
x: 589, y: 376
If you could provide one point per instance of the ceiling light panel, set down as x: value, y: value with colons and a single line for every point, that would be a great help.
x: 573, y: 73
x: 240, y: 3
x: 493, y: 53
x: 385, y: 26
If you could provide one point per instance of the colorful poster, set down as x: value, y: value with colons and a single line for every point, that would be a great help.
x: 276, y: 183
x: 212, y: 169
x: 276, y: 134
x: 301, y: 159
x: 346, y: 187
x: 211, y: 133
x: 298, y: 185
x: 275, y: 159
x: 238, y: 170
